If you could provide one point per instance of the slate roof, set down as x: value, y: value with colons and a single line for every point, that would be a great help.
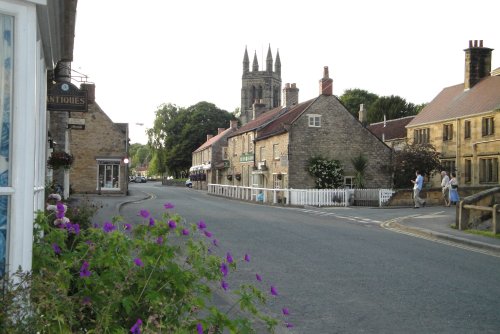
x: 213, y: 140
x: 260, y: 121
x: 394, y: 128
x: 455, y: 102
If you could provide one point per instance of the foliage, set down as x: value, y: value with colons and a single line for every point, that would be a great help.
x: 422, y: 157
x: 60, y: 159
x: 359, y: 163
x: 156, y: 276
x: 352, y: 98
x: 392, y: 107
x: 177, y: 132
x: 327, y: 174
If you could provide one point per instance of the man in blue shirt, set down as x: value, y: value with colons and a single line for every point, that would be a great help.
x: 417, y: 187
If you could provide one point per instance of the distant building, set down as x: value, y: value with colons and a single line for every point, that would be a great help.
x: 462, y: 120
x: 392, y: 132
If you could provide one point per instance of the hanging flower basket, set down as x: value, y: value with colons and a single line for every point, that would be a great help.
x: 60, y: 159
x: 230, y: 177
x: 279, y: 176
x: 238, y: 176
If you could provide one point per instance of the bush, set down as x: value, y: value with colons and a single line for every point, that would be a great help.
x: 328, y: 174
x: 156, y: 276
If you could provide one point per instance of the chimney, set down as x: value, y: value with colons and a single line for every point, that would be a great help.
x: 233, y: 124
x: 259, y: 107
x: 362, y: 114
x: 477, y: 63
x: 325, y: 84
x: 290, y: 95
x: 209, y: 137
x: 90, y: 88
x: 220, y: 130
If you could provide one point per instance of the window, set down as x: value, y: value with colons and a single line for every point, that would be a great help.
x: 349, y: 182
x: 488, y: 170
x: 488, y: 126
x: 278, y: 181
x: 449, y: 166
x: 466, y: 129
x: 314, y: 121
x: 447, y: 132
x: 250, y: 143
x: 242, y: 144
x: 468, y: 171
x: 224, y: 154
x: 276, y: 152
x: 262, y: 153
x: 233, y: 140
x: 421, y: 136
x: 109, y: 174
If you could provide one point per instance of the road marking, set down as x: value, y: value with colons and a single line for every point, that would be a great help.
x: 362, y: 220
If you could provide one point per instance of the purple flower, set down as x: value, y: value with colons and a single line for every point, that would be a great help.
x: 224, y: 269
x: 108, y: 227
x: 202, y: 225
x: 257, y: 276
x: 144, y: 213
x: 172, y: 224
x: 168, y: 206
x: 86, y: 301
x: 215, y: 242
x: 247, y: 257
x: 84, y: 270
x: 138, y: 262
x: 127, y: 227
x: 56, y: 248
x: 274, y: 292
x: 136, y: 329
x: 224, y: 285
x: 208, y: 234
x: 185, y: 231
x: 73, y: 228
x: 151, y: 221
x: 288, y: 325
x: 60, y: 215
x: 199, y: 328
x: 229, y: 258
x: 159, y: 241
x: 285, y: 311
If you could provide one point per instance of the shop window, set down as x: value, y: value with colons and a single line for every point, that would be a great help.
x: 109, y: 175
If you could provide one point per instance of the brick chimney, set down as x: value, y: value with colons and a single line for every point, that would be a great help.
x: 209, y: 137
x: 362, y: 113
x: 325, y: 84
x: 233, y: 124
x: 259, y: 107
x: 290, y: 95
x: 477, y: 63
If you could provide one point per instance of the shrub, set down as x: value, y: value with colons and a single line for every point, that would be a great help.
x: 156, y: 276
x: 328, y: 174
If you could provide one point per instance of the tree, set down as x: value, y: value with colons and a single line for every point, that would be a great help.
x: 328, y: 174
x: 422, y: 157
x: 177, y: 132
x: 352, y: 98
x: 359, y: 163
x: 392, y: 107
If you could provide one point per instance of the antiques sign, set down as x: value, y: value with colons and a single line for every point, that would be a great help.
x: 64, y: 96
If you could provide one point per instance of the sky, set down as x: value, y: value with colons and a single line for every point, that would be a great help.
x: 142, y: 54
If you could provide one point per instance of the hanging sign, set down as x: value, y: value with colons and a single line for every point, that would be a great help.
x: 64, y: 96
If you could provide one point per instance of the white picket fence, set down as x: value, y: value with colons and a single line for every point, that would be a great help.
x: 313, y: 197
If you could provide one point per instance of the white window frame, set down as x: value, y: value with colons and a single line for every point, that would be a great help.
x: 111, y: 162
x: 349, y: 182
x: 314, y: 120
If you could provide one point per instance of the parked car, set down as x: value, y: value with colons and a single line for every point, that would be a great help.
x: 189, y: 184
x: 140, y: 179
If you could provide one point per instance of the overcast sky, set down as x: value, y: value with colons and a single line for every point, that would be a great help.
x: 141, y: 54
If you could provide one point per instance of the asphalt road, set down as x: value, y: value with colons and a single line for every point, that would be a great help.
x: 339, y: 271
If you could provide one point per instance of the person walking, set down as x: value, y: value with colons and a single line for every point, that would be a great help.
x: 417, y: 187
x: 445, y: 187
x: 454, y: 197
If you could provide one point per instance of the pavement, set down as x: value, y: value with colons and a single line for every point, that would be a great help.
x: 432, y: 222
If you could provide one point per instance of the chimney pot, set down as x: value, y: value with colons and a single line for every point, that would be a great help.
x: 470, y: 43
x: 481, y: 43
x: 326, y: 84
x: 233, y: 124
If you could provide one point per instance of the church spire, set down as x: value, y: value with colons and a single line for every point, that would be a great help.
x: 269, y: 60
x: 277, y: 63
x: 246, y: 62
x: 255, y: 64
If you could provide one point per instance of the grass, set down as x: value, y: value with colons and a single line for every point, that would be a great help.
x: 484, y: 233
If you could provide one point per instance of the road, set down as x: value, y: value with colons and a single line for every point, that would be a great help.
x: 339, y: 271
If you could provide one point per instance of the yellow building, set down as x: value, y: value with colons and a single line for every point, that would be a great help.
x: 460, y: 122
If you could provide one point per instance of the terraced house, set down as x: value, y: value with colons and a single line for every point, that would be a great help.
x: 462, y: 122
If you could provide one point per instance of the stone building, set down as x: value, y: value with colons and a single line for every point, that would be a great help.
x: 461, y: 122
x: 392, y: 132
x: 99, y: 150
x: 209, y: 159
x: 273, y: 150
x: 263, y: 87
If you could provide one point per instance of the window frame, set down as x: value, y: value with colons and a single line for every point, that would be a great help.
x: 314, y: 120
x: 467, y: 129
x: 488, y: 126
x: 447, y: 132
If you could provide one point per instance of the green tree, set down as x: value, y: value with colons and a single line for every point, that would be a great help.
x: 177, y: 132
x: 359, y: 163
x: 392, y: 107
x: 352, y: 98
x: 422, y: 157
x: 328, y: 174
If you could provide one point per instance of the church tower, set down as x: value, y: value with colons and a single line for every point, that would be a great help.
x: 260, y: 87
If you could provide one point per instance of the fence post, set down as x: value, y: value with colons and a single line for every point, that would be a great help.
x: 494, y: 218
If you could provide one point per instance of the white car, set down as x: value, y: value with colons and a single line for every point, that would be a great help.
x: 189, y: 184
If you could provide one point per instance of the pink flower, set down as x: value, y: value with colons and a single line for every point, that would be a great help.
x: 247, y: 257
x: 138, y: 262
x: 185, y: 231
x: 168, y: 206
x: 274, y: 292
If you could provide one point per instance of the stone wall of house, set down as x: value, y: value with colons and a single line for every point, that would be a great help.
x: 276, y: 162
x: 241, y: 159
x: 101, y: 139
x: 341, y: 137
